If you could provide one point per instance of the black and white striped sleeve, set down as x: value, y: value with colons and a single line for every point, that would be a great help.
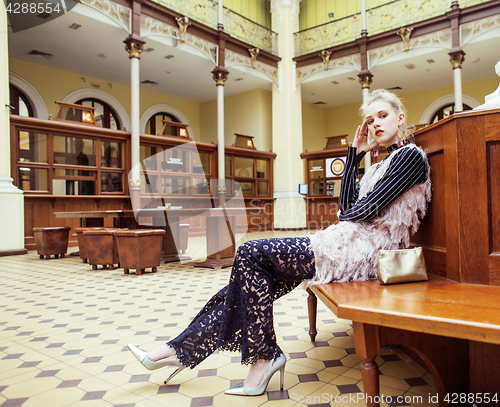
x: 348, y: 188
x: 407, y: 169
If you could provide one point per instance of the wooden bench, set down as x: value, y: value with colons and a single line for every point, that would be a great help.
x: 452, y: 322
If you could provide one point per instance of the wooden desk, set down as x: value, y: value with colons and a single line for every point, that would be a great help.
x: 436, y: 318
x: 220, y: 229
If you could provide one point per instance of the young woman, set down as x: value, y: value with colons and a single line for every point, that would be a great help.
x: 379, y: 213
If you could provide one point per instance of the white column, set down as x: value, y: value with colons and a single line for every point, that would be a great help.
x: 220, y: 81
x: 457, y: 79
x: 456, y: 59
x: 363, y: 16
x: 134, y: 48
x: 220, y: 14
x: 135, y: 117
x: 289, y: 206
x: 11, y: 197
x: 220, y: 137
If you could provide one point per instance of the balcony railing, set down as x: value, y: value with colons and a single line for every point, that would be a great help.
x: 399, y: 13
x: 237, y: 26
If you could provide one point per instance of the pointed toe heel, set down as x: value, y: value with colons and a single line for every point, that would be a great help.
x: 152, y: 365
x: 272, y: 367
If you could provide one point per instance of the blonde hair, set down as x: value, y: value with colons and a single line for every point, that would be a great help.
x: 405, y: 131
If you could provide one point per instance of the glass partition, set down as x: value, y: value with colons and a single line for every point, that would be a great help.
x: 32, y: 147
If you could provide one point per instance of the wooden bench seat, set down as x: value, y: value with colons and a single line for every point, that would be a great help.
x: 436, y: 319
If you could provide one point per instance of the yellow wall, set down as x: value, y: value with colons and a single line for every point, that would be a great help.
x: 55, y: 84
x: 313, y: 127
x: 345, y: 119
x: 255, y: 10
x: 315, y: 12
x: 248, y: 113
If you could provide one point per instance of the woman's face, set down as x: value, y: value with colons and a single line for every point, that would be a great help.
x: 383, y: 122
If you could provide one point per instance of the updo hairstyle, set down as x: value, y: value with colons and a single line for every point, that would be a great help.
x: 405, y: 132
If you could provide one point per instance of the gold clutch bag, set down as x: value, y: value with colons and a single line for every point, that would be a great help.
x: 401, y: 266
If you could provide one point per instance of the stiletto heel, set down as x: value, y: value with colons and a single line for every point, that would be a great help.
x: 272, y: 367
x: 282, y: 377
x: 151, y: 365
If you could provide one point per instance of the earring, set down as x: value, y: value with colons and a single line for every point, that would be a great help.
x: 375, y: 152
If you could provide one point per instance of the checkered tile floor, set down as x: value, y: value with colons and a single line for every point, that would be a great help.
x: 64, y: 330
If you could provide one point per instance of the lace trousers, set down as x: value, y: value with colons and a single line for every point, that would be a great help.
x: 240, y: 316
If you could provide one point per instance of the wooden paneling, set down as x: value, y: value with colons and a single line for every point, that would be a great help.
x: 484, y: 370
x: 259, y: 215
x: 432, y: 231
x: 321, y: 212
x: 39, y: 212
x: 450, y: 183
x: 463, y: 220
x: 495, y: 268
x: 494, y: 195
x: 472, y: 177
x: 492, y: 128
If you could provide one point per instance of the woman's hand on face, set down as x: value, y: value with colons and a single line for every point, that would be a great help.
x: 361, y: 139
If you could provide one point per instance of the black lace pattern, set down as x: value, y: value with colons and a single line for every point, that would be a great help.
x: 240, y: 316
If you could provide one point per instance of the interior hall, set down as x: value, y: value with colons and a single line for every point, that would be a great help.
x: 144, y: 141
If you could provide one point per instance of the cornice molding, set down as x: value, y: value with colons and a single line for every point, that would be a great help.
x: 116, y: 12
x: 470, y: 31
x: 151, y: 27
x: 235, y: 59
x: 350, y: 62
x: 439, y: 39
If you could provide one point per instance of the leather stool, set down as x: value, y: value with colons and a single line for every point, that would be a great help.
x: 101, y: 247
x: 51, y: 240
x: 82, y: 242
x: 139, y: 249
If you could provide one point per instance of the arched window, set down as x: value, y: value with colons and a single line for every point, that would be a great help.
x: 20, y: 102
x: 104, y: 114
x: 446, y: 111
x: 155, y: 123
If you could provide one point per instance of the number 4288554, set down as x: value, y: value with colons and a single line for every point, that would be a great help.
x: 455, y: 398
x: 34, y: 8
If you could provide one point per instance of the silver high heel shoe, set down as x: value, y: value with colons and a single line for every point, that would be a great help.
x: 272, y: 367
x: 151, y: 365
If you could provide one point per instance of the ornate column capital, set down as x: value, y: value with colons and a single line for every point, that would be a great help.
x: 365, y: 79
x: 135, y: 184
x: 276, y: 6
x: 457, y: 58
x: 134, y: 45
x: 220, y: 75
